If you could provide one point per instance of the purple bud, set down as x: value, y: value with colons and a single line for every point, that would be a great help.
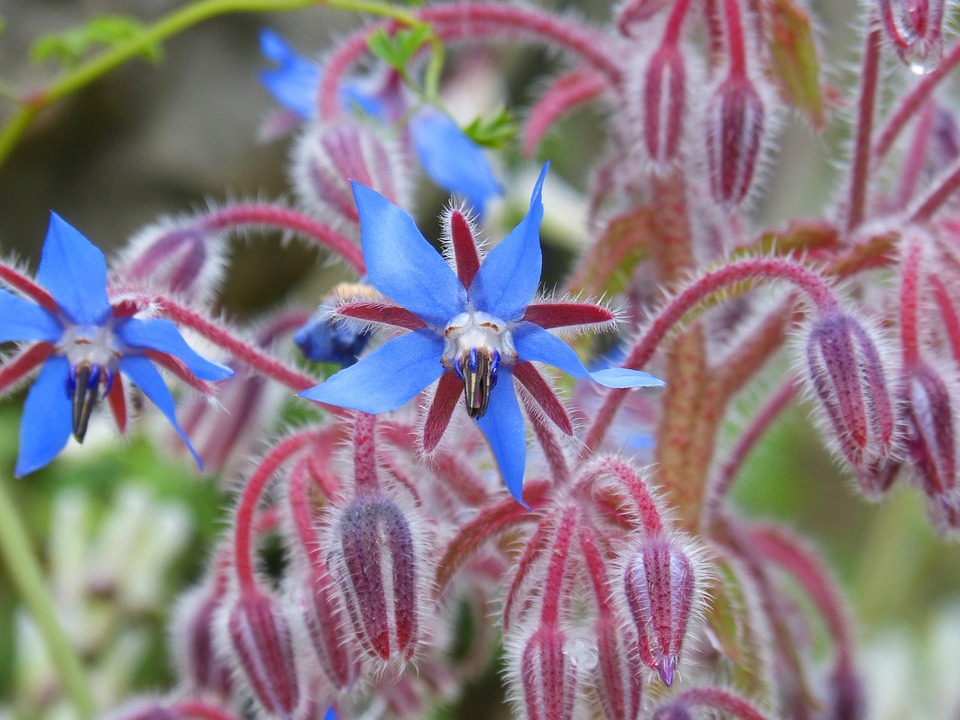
x: 664, y: 103
x: 261, y: 644
x: 548, y: 675
x: 328, y: 157
x: 916, y: 29
x: 320, y: 608
x: 376, y: 567
x: 178, y: 256
x: 735, y: 123
x: 846, y: 700
x: 848, y: 377
x: 673, y: 711
x: 200, y: 667
x: 660, y: 588
x: 932, y: 438
x: 617, y: 675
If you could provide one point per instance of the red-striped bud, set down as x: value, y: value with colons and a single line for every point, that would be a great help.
x: 259, y: 639
x: 735, y: 123
x: 200, y: 667
x: 548, y: 676
x: 660, y: 587
x: 916, y: 29
x: 617, y: 676
x: 664, y: 102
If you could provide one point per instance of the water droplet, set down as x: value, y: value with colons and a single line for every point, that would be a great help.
x: 582, y: 653
x: 923, y: 56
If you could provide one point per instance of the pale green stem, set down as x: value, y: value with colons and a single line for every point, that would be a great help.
x: 176, y: 22
x: 27, y: 578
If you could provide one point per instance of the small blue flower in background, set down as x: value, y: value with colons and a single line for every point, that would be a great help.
x: 448, y: 156
x: 324, y: 339
x: 475, y: 326
x: 86, y: 345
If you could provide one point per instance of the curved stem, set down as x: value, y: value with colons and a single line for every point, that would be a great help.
x: 27, y: 577
x: 944, y: 187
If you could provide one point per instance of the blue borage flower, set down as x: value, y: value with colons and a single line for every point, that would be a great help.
x: 449, y: 158
x: 473, y: 329
x: 83, y: 341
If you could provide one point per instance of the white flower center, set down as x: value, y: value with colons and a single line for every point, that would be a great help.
x: 93, y: 344
x: 475, y: 345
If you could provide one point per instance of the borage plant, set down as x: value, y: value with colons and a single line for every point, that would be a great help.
x: 451, y: 513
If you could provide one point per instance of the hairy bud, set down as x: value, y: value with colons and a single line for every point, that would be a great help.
x: 735, y: 124
x: 617, y: 675
x: 660, y: 588
x: 199, y: 666
x: 260, y: 642
x: 916, y: 29
x: 664, y: 103
x: 848, y: 377
x: 328, y: 157
x: 548, y: 676
x: 376, y: 566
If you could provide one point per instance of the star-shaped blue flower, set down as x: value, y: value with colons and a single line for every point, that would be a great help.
x: 474, y: 328
x: 83, y: 342
x: 449, y: 158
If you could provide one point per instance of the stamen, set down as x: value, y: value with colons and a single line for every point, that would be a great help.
x: 83, y: 382
x: 478, y: 372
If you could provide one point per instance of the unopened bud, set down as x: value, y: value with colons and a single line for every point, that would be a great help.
x: 376, y: 567
x: 318, y: 605
x: 261, y: 644
x: 916, y: 29
x: 324, y: 338
x: 848, y: 377
x: 664, y: 103
x: 177, y: 256
x: 660, y: 588
x: 548, y: 676
x: 192, y: 638
x: 932, y: 438
x: 735, y: 124
x: 328, y: 157
x: 617, y: 675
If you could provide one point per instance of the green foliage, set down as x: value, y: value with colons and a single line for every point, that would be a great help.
x: 399, y: 49
x: 494, y: 131
x: 107, y: 31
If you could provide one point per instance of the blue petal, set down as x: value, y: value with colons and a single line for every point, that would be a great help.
x: 22, y: 320
x: 509, y: 275
x: 387, y: 378
x: 163, y: 336
x: 145, y: 376
x: 47, y: 417
x: 331, y: 714
x: 535, y: 343
x: 452, y: 160
x: 74, y: 271
x: 294, y: 84
x: 322, y: 339
x: 505, y: 430
x: 404, y: 266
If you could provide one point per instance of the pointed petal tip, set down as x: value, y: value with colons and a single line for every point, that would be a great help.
x: 665, y: 669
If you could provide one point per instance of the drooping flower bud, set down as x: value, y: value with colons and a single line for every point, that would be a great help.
x: 319, y: 607
x: 664, y: 102
x: 180, y: 256
x: 259, y: 639
x: 548, y: 675
x: 916, y: 29
x: 932, y: 442
x: 617, y: 677
x: 376, y: 566
x: 735, y: 125
x: 661, y: 590
x: 848, y: 376
x: 199, y: 666
x: 327, y: 157
x: 324, y: 338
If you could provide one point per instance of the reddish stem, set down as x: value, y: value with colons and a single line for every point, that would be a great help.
x: 199, y: 710
x: 557, y: 569
x: 712, y: 282
x: 280, y: 218
x: 298, y: 492
x: 863, y: 130
x: 365, y: 455
x: 718, y: 699
x: 250, y: 497
x: 719, y: 484
x: 909, y: 297
x: 564, y: 94
x: 948, y: 313
x: 915, y: 159
x: 735, y: 40
x: 644, y: 502
x: 943, y: 189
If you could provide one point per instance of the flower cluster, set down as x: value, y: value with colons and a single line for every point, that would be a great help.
x: 449, y: 510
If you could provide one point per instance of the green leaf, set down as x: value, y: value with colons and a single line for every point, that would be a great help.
x: 794, y: 60
x: 397, y: 50
x: 494, y: 131
x: 107, y: 31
